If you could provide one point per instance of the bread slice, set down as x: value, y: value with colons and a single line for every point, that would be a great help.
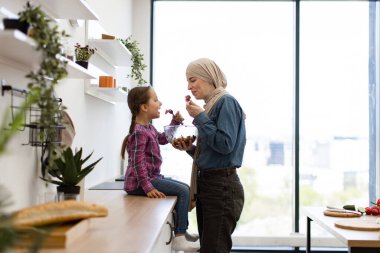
x: 57, y: 212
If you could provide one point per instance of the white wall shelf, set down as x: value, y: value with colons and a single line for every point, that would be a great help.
x: 110, y: 95
x: 68, y: 9
x: 78, y: 72
x: 19, y: 51
x: 113, y: 51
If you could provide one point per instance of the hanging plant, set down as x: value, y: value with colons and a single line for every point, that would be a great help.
x: 52, y: 69
x: 138, y: 65
x: 41, y: 93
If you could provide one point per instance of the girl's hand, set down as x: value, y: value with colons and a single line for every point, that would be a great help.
x: 178, y: 117
x: 193, y: 109
x: 156, y: 194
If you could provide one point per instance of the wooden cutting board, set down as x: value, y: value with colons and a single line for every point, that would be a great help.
x: 343, y: 215
x: 363, y: 225
x: 57, y: 237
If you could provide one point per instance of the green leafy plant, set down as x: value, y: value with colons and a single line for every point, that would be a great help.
x: 83, y: 53
x: 44, y: 80
x: 137, y: 59
x: 40, y: 93
x: 68, y: 170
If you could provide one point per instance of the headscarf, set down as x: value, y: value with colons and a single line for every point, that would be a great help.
x: 208, y: 71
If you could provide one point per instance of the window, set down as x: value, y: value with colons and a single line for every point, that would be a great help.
x: 334, y: 104
x: 254, y: 44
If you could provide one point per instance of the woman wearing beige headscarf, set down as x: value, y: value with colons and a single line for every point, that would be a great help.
x: 219, y: 152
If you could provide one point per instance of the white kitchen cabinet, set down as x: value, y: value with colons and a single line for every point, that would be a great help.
x: 164, y: 241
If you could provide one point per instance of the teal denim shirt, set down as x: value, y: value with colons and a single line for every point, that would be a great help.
x: 221, y: 135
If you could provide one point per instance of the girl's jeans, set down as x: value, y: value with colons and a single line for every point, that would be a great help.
x: 171, y: 187
x: 220, y: 201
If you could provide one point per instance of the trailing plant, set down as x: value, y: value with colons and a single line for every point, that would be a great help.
x: 67, y: 168
x: 52, y: 69
x: 137, y: 59
x: 41, y: 93
x: 83, y: 53
x: 42, y: 82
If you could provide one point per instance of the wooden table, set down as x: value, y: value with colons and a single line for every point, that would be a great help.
x: 356, y: 241
x: 135, y: 224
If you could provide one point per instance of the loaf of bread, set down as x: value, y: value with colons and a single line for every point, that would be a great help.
x: 57, y: 212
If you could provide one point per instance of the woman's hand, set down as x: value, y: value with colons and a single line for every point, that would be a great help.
x: 156, y: 194
x: 193, y: 109
x: 183, y: 146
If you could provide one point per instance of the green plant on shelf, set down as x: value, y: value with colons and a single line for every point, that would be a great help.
x: 83, y: 53
x: 138, y: 65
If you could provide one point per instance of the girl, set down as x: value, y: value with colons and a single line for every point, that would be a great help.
x: 144, y: 161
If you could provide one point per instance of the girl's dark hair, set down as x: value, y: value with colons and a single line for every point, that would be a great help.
x: 136, y: 97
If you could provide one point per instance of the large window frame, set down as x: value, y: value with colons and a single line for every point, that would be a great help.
x: 374, y: 76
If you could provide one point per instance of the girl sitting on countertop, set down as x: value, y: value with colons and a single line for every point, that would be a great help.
x: 143, y: 176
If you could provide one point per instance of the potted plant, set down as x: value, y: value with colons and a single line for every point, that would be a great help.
x: 138, y: 65
x: 83, y: 54
x: 69, y: 171
x: 14, y: 23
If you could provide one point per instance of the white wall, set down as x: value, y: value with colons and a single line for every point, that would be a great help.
x: 100, y: 126
x: 141, y: 30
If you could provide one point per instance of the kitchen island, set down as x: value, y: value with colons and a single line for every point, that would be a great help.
x: 135, y: 224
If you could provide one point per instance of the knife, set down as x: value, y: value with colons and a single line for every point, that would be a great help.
x: 340, y: 210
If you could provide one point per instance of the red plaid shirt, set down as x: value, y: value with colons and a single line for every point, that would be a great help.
x: 144, y: 157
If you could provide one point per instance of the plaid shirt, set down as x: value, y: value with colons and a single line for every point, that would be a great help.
x: 144, y: 158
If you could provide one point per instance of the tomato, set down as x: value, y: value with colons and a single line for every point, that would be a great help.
x: 378, y: 202
x: 368, y: 210
x: 375, y: 210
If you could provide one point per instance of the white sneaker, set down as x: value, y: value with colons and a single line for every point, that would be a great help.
x: 191, y: 237
x: 181, y: 244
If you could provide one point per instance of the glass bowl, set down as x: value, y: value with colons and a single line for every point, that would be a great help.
x: 177, y: 133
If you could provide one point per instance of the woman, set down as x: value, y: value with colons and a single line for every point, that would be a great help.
x: 219, y: 152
